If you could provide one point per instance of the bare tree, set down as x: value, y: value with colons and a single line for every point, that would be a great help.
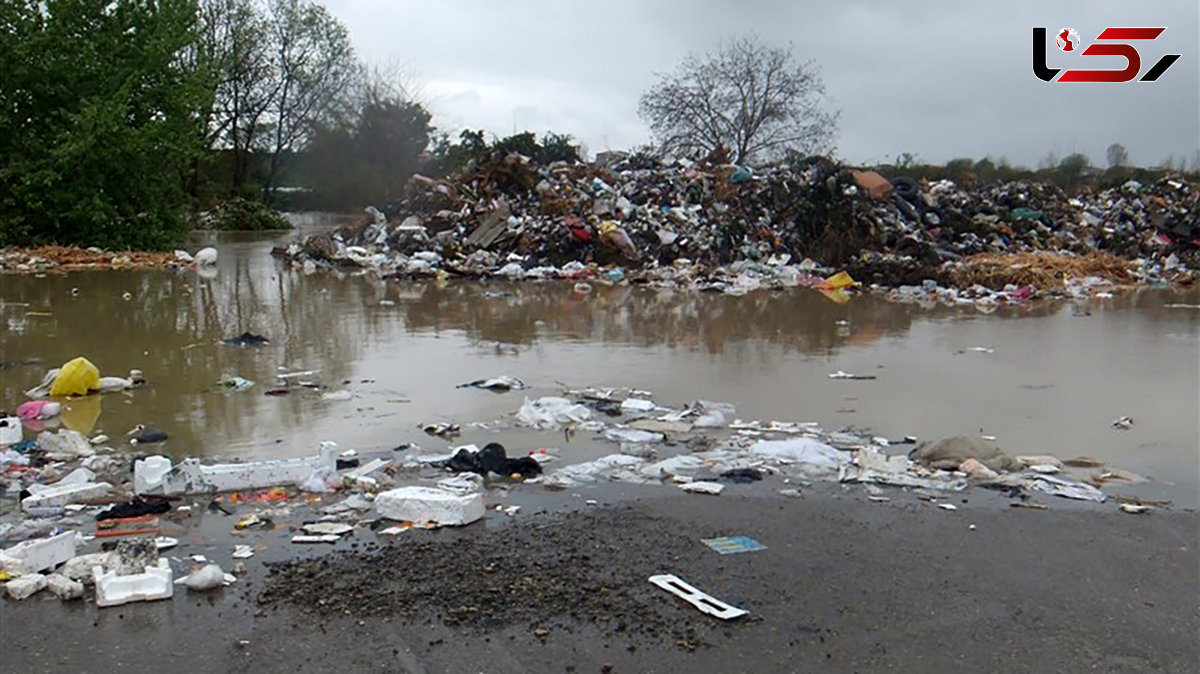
x: 754, y: 99
x: 1117, y: 155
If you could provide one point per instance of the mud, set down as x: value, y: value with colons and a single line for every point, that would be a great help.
x: 554, y: 572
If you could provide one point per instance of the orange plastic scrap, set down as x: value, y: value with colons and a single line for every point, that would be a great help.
x: 839, y: 281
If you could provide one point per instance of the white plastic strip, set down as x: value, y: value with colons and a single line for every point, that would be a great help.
x: 704, y: 602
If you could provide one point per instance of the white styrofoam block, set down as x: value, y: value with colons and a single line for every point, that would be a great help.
x: 114, y: 590
x: 60, y: 496
x: 156, y: 475
x: 64, y: 588
x: 10, y: 430
x: 41, y: 553
x: 25, y: 587
x: 425, y: 504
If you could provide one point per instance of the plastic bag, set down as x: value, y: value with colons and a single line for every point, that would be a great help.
x: 322, y: 481
x: 76, y: 378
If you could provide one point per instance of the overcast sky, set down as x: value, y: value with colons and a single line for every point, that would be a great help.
x: 942, y: 79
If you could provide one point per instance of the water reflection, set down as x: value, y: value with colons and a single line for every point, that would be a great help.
x: 1056, y: 369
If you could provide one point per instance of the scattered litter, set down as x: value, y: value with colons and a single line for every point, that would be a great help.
x: 247, y: 339
x: 232, y: 383
x: 208, y: 577
x: 947, y: 506
x: 728, y: 545
x: 323, y: 538
x: 550, y: 413
x: 327, y: 528
x: 703, y: 602
x: 442, y: 430
x: 846, y: 375
x: 1123, y: 423
x: 1135, y: 509
x: 499, y: 384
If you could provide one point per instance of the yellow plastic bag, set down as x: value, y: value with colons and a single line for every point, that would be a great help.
x: 838, y: 281
x: 76, y: 378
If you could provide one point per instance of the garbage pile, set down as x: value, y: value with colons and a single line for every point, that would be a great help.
x: 70, y: 258
x: 716, y: 226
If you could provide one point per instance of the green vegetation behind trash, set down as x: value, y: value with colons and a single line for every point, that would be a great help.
x: 239, y: 214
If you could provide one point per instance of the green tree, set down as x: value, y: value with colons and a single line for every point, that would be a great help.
x: 371, y: 159
x: 98, y: 122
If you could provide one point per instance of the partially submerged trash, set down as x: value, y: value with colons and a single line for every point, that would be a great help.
x: 493, y: 459
x: 1123, y: 423
x: 728, y: 545
x: 950, y: 453
x: 76, y: 378
x: 423, y: 505
x: 846, y: 375
x: 143, y: 435
x: 35, y: 410
x: 247, y: 339
x: 233, y: 383
x: 551, y: 412
x: 499, y: 384
x: 442, y: 430
x: 705, y: 603
x: 157, y: 475
x: 1134, y: 509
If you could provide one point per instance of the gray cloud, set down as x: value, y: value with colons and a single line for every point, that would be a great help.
x: 942, y: 79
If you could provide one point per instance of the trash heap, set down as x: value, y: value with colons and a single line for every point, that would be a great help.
x: 717, y: 226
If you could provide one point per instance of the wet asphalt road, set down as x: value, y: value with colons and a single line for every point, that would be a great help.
x: 845, y: 585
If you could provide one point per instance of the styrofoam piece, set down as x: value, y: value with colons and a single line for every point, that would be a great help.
x: 700, y: 487
x: 60, y: 496
x: 114, y: 590
x: 637, y: 405
x: 64, y: 588
x: 192, y: 477
x: 25, y: 587
x: 367, y: 469
x: 327, y: 528
x: 325, y: 538
x: 702, y: 601
x: 40, y: 554
x: 10, y: 430
x: 428, y: 505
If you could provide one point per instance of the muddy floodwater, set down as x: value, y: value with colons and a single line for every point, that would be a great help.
x: 1047, y: 379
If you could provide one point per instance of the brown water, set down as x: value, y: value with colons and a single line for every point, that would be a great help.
x: 1059, y: 373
